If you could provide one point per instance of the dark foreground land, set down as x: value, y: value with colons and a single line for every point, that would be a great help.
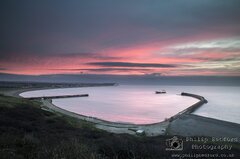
x: 190, y: 125
x: 28, y: 131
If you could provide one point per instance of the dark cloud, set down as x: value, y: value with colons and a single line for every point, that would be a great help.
x: 16, y: 58
x: 231, y: 59
x: 129, y: 64
x: 49, y: 27
x: 105, y: 69
x: 191, y: 50
x: 186, y: 51
x: 154, y: 74
x: 88, y: 55
x: 3, y: 69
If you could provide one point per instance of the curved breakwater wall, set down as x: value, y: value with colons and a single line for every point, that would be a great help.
x: 193, y: 107
x: 153, y: 129
x: 196, y: 105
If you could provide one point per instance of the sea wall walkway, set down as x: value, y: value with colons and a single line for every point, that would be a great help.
x: 192, y: 108
x: 56, y: 97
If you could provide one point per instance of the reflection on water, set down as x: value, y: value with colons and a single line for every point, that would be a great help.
x: 140, y: 104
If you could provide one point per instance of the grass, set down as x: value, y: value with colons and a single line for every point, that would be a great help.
x: 27, y: 131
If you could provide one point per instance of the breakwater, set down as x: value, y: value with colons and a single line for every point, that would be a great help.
x: 193, y: 107
x: 196, y: 105
x: 56, y: 97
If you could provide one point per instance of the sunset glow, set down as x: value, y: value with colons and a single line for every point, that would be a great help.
x: 132, y: 40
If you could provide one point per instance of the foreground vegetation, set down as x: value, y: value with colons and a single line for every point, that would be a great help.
x: 27, y: 131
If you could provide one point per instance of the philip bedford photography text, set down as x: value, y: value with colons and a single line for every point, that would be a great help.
x: 210, y: 147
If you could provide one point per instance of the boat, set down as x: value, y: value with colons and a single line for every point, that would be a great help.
x: 160, y: 92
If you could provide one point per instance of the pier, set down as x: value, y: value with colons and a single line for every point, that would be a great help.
x: 192, y: 108
x: 195, y: 106
x: 56, y: 97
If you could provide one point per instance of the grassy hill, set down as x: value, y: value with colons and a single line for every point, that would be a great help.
x: 27, y: 131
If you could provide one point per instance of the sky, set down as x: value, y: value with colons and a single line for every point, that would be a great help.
x: 126, y: 37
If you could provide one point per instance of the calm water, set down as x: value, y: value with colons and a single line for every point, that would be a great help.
x: 140, y: 104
